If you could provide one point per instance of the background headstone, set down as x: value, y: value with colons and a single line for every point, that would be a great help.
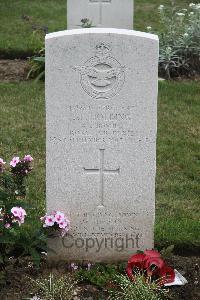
x: 101, y: 106
x: 102, y: 13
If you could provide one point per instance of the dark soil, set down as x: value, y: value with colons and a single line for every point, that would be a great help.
x: 13, y: 70
x: 17, y: 285
x: 189, y: 267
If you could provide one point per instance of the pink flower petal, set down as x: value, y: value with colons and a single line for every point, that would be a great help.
x: 14, y: 161
x: 28, y: 157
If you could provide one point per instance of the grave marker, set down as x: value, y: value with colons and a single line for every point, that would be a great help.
x: 102, y: 13
x: 101, y: 105
x: 100, y: 3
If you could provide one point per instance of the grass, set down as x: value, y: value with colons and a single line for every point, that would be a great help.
x: 17, y: 38
x: 16, y: 35
x: 22, y: 126
x: 178, y: 162
x: 178, y: 158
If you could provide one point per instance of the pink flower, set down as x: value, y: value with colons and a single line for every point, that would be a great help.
x: 14, y: 161
x: 2, y: 162
x: 7, y: 225
x: 59, y: 217
x: 64, y: 231
x: 15, y: 211
x: 28, y: 158
x: 56, y: 220
x: 19, y: 213
x: 63, y: 224
x: 49, y: 221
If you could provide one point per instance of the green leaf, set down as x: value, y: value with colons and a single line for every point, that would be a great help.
x: 3, y: 196
x: 6, y: 240
x: 39, y: 76
x: 40, y: 59
x: 1, y: 259
x: 36, y: 256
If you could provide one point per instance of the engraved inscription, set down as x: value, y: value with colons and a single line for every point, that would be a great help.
x: 104, y: 124
x: 108, y: 228
x: 101, y: 124
x: 100, y: 2
x: 101, y: 171
x: 102, y: 76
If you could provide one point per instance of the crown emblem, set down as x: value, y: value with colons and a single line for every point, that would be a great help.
x: 102, y: 50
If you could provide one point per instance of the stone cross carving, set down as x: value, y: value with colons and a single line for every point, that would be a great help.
x: 100, y: 2
x: 101, y: 171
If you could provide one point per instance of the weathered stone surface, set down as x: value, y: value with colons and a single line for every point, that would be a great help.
x: 102, y: 13
x: 101, y: 106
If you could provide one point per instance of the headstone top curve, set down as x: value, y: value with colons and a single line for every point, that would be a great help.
x: 103, y: 31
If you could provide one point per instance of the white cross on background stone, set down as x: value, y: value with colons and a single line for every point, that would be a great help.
x: 101, y: 171
x: 100, y: 2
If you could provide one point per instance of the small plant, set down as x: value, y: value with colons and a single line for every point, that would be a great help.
x: 36, y: 62
x: 18, y: 235
x: 179, y: 40
x: 86, y: 23
x: 142, y: 289
x: 37, y: 39
x: 21, y: 232
x: 54, y: 287
x: 37, y: 66
x: 100, y: 275
x: 12, y: 208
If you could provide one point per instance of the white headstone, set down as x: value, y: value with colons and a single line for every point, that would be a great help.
x: 102, y: 13
x: 101, y: 106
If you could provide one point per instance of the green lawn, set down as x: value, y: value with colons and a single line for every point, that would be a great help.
x: 178, y: 164
x: 22, y: 126
x: 16, y: 33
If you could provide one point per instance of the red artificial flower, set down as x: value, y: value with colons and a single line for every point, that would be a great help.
x: 152, y: 253
x: 136, y: 261
x: 151, y: 262
x: 167, y: 274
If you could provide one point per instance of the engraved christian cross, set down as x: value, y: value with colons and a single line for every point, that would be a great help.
x: 101, y: 171
x: 100, y: 2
